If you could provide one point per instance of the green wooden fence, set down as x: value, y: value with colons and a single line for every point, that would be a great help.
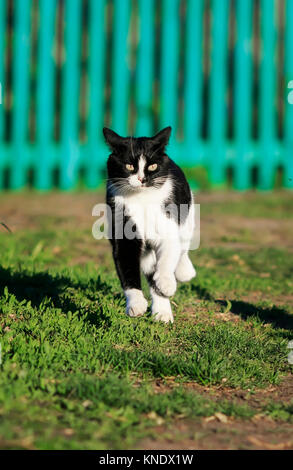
x: 218, y: 71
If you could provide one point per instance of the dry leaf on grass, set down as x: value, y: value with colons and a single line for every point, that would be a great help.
x: 68, y: 432
x: 87, y: 403
x: 209, y: 418
x: 269, y: 446
x: 153, y: 415
x: 258, y: 417
x: 219, y: 416
x: 222, y: 418
x: 26, y: 443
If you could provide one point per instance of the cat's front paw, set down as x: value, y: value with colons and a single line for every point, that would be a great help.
x: 166, y: 284
x: 136, y: 304
x: 166, y: 317
x: 138, y: 308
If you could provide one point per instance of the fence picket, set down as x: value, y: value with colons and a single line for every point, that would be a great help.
x: 21, y: 61
x: 145, y: 68
x: 70, y: 106
x: 243, y: 96
x: 97, y: 48
x: 169, y: 64
x: 218, y: 89
x: 193, y: 79
x: 121, y: 66
x: 45, y: 95
x: 288, y: 157
x: 2, y: 71
x: 267, y: 95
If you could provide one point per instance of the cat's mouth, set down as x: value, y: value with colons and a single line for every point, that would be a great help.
x: 125, y: 185
x: 122, y: 186
x: 136, y: 184
x: 140, y: 187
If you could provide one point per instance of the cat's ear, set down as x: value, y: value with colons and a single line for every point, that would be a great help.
x: 114, y: 141
x: 161, y: 139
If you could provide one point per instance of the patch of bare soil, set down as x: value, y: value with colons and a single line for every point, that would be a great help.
x: 29, y: 210
x: 256, y: 398
x: 219, y: 432
x: 245, y: 233
x: 223, y: 432
x: 226, y: 197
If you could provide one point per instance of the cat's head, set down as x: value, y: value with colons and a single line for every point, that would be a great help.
x: 137, y: 163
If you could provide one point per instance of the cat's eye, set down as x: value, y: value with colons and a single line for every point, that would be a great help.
x: 153, y: 167
x: 129, y: 167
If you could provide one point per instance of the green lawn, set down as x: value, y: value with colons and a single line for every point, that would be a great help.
x: 77, y: 373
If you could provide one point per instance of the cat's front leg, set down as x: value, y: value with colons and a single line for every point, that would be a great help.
x: 136, y: 304
x: 168, y: 253
x: 126, y: 255
x: 161, y: 308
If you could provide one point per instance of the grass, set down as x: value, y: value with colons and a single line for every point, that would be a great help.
x: 77, y: 373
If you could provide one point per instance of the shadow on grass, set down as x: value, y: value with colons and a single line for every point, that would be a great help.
x: 202, y: 292
x: 277, y: 317
x: 57, y: 289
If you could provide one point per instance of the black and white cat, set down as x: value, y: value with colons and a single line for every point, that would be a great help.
x: 156, y: 220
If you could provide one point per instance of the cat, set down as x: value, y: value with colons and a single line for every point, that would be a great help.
x: 148, y: 189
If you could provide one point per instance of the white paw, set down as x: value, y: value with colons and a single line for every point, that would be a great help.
x: 185, y: 271
x: 161, y: 308
x: 136, y: 304
x: 166, y: 284
x: 166, y: 317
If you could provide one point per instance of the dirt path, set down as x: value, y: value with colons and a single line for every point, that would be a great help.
x: 211, y: 433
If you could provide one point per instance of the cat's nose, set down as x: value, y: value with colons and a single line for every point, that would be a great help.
x: 140, y: 178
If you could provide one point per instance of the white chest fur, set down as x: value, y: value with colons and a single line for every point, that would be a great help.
x: 145, y: 209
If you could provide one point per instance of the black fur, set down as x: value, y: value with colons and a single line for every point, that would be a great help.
x: 127, y: 150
